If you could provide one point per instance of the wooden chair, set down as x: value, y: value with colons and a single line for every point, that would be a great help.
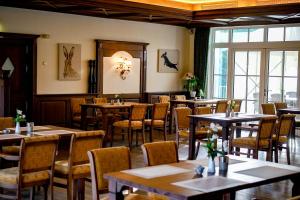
x: 159, y: 119
x: 180, y: 97
x: 76, y: 111
x: 262, y: 141
x: 9, y: 152
x: 100, y: 100
x: 182, y: 124
x: 158, y: 153
x: 280, y: 105
x: 221, y: 106
x: 238, y: 104
x: 268, y: 108
x: 35, y: 167
x: 283, y: 134
x: 136, y: 122
x: 109, y: 160
x: 77, y: 167
x: 164, y: 99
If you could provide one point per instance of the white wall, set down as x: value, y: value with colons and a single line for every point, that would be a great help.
x: 67, y: 28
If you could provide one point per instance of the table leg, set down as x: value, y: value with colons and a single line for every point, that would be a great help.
x: 192, y: 140
x: 171, y: 117
x: 238, y: 135
x: 115, y: 190
x: 83, y: 120
x: 296, y: 186
x: 105, y: 126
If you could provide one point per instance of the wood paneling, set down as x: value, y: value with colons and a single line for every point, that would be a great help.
x: 153, y: 97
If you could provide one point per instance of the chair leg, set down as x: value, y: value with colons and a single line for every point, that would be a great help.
x: 248, y: 153
x: 276, y: 153
x: 197, y: 149
x: 81, y: 189
x: 32, y: 193
x: 165, y: 133
x: 255, y: 154
x: 69, y: 188
x: 45, y: 191
x: 136, y: 138
x: 129, y: 138
x: 143, y: 135
x: 288, y: 153
x: 75, y: 189
x: 150, y: 134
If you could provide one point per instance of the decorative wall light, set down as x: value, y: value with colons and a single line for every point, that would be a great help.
x: 123, y: 66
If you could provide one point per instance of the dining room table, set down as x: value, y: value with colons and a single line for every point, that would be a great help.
x: 191, y: 103
x: 224, y: 121
x: 179, y: 180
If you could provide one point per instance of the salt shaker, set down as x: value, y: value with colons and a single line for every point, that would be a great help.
x: 30, y: 127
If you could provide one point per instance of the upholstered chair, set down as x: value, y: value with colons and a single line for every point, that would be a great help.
x: 221, y: 106
x: 282, y: 135
x: 180, y: 98
x: 76, y: 110
x: 135, y: 122
x: 8, y: 152
x: 164, y: 99
x: 238, y: 104
x: 100, y: 100
x: 35, y: 168
x: 159, y: 119
x: 158, y: 153
x: 77, y: 167
x: 268, y: 108
x: 262, y: 141
x: 107, y: 160
x: 280, y: 105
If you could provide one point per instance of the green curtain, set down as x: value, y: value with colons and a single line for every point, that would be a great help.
x: 201, y: 44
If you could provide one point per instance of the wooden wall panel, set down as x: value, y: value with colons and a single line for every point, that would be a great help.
x: 54, y: 112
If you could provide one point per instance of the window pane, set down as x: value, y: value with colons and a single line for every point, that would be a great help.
x: 275, y: 34
x: 275, y: 63
x: 239, y: 87
x: 291, y: 63
x: 290, y: 89
x: 254, y: 63
x: 220, y: 87
x: 253, y: 87
x: 274, y: 93
x: 240, y: 35
x: 240, y: 67
x: 292, y: 33
x: 221, y: 36
x: 256, y: 35
x: 221, y: 61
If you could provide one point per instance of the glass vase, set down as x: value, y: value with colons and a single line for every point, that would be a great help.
x: 211, y: 165
x: 18, y: 128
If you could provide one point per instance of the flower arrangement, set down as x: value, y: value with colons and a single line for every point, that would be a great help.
x: 20, y: 116
x: 231, y: 104
x: 191, y: 82
x: 211, y: 144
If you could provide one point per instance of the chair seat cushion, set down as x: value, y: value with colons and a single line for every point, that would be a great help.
x: 125, y: 124
x: 249, y: 142
x: 12, y: 150
x: 155, y: 122
x: 199, y: 131
x: 282, y: 139
x: 131, y: 197
x: 11, y: 175
x: 62, y: 167
x: 154, y: 196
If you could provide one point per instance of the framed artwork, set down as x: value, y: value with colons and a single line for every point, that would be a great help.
x: 69, y: 62
x: 168, y: 60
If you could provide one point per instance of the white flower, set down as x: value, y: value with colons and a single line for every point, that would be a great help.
x: 212, y: 125
x: 214, y: 137
x: 188, y: 76
x: 23, y: 116
x: 19, y: 112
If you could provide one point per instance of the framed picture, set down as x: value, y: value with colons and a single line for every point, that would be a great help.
x: 69, y: 61
x: 168, y: 60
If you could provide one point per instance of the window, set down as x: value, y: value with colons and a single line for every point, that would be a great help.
x: 220, y: 73
x: 221, y: 36
x: 275, y: 34
x: 292, y: 34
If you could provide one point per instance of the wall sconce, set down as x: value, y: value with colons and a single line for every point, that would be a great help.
x: 123, y: 66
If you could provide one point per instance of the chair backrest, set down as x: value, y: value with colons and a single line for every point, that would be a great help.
x: 158, y: 153
x: 81, y: 143
x: 238, y: 104
x: 107, y: 160
x: 202, y: 111
x: 266, y: 128
x: 280, y: 105
x: 138, y: 112
x: 268, y: 108
x: 160, y: 111
x: 75, y: 105
x: 182, y: 120
x: 37, y: 154
x: 221, y: 106
x: 6, y: 122
x: 285, y: 125
x: 100, y: 100
x: 180, y: 97
x: 164, y: 99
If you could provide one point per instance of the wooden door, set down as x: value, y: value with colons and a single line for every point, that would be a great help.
x: 16, y: 86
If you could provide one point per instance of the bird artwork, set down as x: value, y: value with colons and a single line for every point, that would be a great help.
x: 168, y: 61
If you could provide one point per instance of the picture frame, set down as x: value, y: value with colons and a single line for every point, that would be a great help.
x: 168, y: 61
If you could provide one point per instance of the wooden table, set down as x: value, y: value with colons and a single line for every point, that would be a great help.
x: 242, y: 173
x: 289, y: 111
x: 191, y: 104
x: 220, y: 119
